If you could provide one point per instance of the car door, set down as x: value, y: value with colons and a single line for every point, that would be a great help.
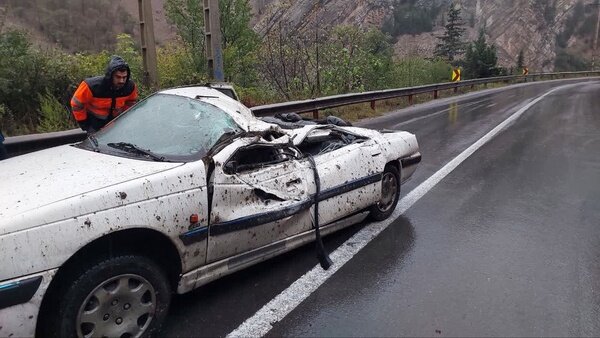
x: 349, y: 168
x: 260, y: 195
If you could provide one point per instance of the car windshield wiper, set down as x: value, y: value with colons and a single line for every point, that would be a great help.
x: 228, y: 136
x: 132, y: 148
x: 94, y: 141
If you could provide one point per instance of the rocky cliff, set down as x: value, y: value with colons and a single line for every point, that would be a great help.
x: 546, y: 30
x: 511, y: 25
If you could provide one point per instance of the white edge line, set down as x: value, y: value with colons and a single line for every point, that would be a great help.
x: 280, y: 306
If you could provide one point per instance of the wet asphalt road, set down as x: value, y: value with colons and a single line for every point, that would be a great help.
x: 508, y: 244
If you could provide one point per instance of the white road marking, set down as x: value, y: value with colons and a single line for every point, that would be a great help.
x: 280, y: 306
x: 491, y: 105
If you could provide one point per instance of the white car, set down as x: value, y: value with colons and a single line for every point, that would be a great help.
x: 185, y: 187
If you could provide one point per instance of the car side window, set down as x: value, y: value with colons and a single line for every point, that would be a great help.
x: 258, y: 156
x: 322, y: 141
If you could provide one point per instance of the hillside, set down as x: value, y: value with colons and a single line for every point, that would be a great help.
x: 529, y: 25
x: 544, y: 29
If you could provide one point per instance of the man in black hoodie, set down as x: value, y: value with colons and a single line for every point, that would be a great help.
x: 99, y: 99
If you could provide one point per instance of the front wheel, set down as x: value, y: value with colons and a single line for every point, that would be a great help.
x: 390, y: 193
x: 123, y: 296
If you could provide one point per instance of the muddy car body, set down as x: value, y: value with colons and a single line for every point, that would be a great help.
x: 182, y: 189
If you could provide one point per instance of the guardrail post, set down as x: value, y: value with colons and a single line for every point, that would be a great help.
x: 316, y: 114
x: 373, y: 105
x: 410, y: 100
x: 455, y: 90
x: 435, y: 94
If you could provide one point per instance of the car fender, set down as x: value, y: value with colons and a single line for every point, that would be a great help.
x: 168, y: 211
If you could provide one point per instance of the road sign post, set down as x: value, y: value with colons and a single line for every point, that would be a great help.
x: 456, y: 75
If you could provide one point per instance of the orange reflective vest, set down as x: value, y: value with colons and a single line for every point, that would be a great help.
x: 94, y: 103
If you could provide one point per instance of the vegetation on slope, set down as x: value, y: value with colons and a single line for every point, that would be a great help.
x: 36, y: 85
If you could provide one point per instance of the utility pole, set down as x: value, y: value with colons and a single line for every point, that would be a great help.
x: 148, y: 44
x: 319, y: 5
x: 595, y: 48
x: 212, y: 30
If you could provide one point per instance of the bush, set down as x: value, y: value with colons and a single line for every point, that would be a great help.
x: 176, y: 66
x: 566, y: 62
x: 54, y: 115
x: 408, y: 18
x: 417, y: 71
x: 7, y: 125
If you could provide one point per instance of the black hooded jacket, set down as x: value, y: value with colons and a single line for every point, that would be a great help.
x: 96, y: 102
x: 101, y: 86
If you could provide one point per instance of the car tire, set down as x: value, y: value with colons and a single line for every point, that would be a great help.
x: 124, y: 296
x: 390, y: 193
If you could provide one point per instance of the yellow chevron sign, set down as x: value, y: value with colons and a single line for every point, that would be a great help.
x: 456, y: 75
x: 525, y: 71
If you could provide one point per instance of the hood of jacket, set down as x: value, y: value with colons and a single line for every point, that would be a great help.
x: 115, y: 63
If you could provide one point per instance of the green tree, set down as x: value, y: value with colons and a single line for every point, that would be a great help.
x: 410, y: 17
x: 20, y: 80
x: 520, y: 61
x: 188, y: 18
x: 481, y: 59
x: 451, y: 44
x: 380, y: 60
x: 566, y: 62
x: 25, y: 73
x: 240, y: 42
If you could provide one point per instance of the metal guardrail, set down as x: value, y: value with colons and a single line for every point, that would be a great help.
x: 17, y: 145
x: 27, y: 143
x: 317, y: 104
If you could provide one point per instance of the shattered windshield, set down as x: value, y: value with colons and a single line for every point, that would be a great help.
x: 167, y: 126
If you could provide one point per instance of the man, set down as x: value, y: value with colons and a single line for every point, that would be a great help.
x: 99, y: 99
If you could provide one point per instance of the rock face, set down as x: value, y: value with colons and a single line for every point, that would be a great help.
x: 301, y: 14
x: 511, y: 25
x: 525, y: 25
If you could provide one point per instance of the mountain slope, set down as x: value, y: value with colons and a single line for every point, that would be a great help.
x: 515, y: 25
x: 543, y: 29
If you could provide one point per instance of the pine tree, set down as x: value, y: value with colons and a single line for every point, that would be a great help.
x: 520, y: 61
x: 481, y: 59
x: 451, y: 44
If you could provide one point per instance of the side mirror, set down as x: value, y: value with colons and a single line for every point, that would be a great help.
x: 230, y: 167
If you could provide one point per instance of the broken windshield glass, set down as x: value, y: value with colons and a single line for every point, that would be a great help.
x: 170, y: 126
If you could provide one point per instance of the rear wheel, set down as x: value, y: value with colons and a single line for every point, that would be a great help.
x: 123, y: 296
x: 390, y: 193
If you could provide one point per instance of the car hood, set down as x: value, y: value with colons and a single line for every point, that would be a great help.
x: 33, y: 181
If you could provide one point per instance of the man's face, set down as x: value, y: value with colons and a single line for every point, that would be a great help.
x: 119, y: 78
